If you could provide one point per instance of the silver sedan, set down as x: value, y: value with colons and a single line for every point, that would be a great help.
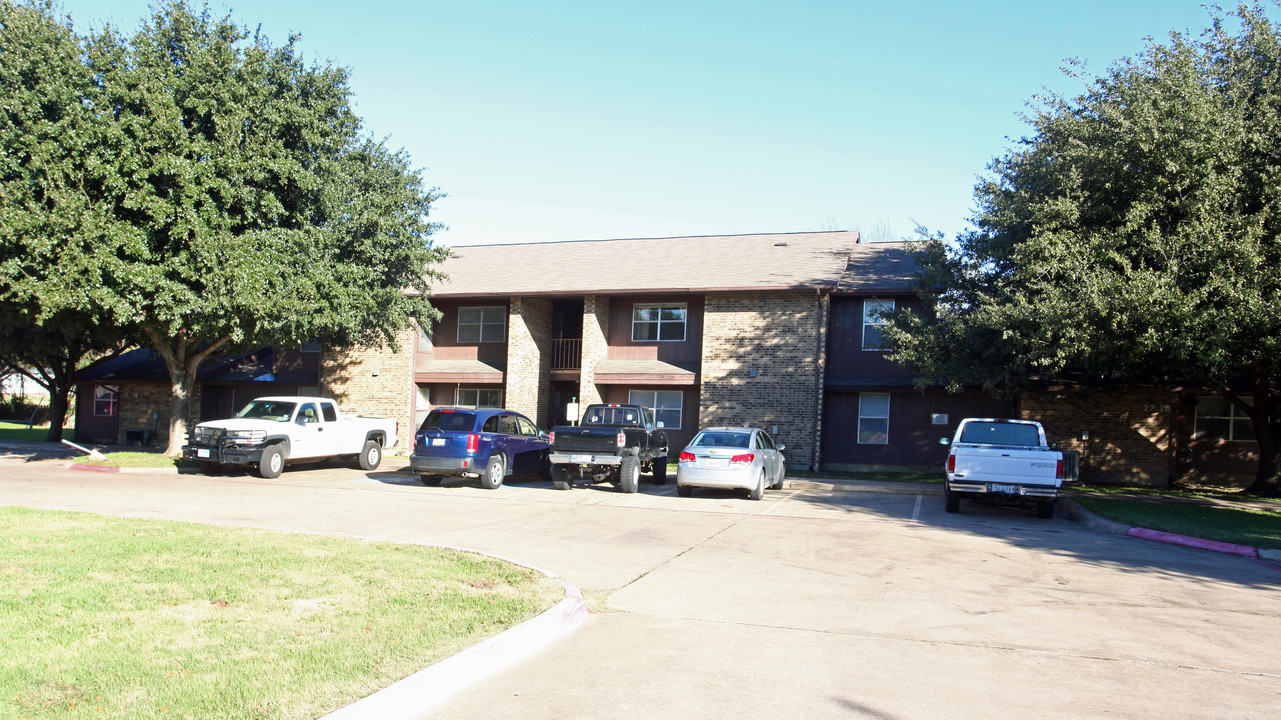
x: 731, y: 457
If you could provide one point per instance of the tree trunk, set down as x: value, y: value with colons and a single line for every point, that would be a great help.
x: 1267, y: 480
x: 183, y: 363
x: 57, y: 411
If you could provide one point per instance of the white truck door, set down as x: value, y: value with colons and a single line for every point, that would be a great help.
x: 308, y: 434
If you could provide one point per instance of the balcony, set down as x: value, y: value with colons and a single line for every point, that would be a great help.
x: 567, y: 354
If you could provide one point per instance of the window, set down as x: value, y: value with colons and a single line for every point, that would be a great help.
x: 329, y: 411
x: 509, y: 426
x: 308, y: 414
x: 872, y: 322
x: 424, y: 338
x: 874, y: 418
x: 478, y: 397
x: 665, y: 403
x: 1218, y: 418
x: 658, y: 322
x: 482, y: 324
x: 106, y: 402
x: 527, y: 427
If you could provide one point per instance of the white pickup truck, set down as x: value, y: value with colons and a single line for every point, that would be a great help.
x: 271, y: 431
x: 1005, y: 458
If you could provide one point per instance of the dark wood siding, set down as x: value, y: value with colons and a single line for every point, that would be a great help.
x: 686, y: 354
x: 848, y: 364
x: 913, y: 438
x: 444, y: 339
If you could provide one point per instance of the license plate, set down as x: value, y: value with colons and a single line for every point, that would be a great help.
x: 581, y: 459
x: 714, y: 462
x: 1009, y: 489
x: 202, y: 452
x: 437, y: 442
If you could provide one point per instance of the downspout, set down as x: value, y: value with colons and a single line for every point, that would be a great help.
x: 820, y: 365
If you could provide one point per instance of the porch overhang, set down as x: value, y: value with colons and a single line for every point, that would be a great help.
x: 643, y: 372
x: 457, y: 371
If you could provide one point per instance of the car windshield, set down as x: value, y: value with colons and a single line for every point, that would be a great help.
x: 611, y: 416
x: 723, y: 439
x: 449, y: 421
x: 992, y: 433
x: 268, y: 410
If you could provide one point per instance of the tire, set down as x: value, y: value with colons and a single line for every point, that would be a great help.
x: 371, y: 456
x: 272, y: 462
x: 758, y: 492
x: 629, y: 474
x: 684, y: 490
x: 658, y: 470
x: 1045, y: 509
x: 561, y: 479
x: 494, y: 472
x: 951, y: 501
x: 782, y: 474
x: 430, y: 480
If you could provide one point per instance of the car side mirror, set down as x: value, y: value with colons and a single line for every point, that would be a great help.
x: 944, y: 441
x: 542, y: 435
x: 781, y: 448
x: 660, y: 424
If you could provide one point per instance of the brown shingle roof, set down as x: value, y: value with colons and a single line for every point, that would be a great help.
x: 884, y: 266
x: 814, y: 260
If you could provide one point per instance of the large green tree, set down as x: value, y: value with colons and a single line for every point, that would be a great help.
x: 1134, y: 236
x: 233, y: 199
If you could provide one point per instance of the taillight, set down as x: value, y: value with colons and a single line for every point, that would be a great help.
x: 622, y: 438
x: 687, y: 457
x: 951, y: 463
x: 1058, y: 470
x: 744, y: 458
x: 551, y: 436
x: 473, y: 441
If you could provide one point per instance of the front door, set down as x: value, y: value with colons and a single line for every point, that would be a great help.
x: 309, y: 434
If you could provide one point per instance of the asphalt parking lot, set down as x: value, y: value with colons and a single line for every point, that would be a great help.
x: 807, y: 604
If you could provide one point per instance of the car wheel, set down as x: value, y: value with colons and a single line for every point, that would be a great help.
x: 430, y: 480
x: 494, y: 471
x: 561, y: 479
x: 629, y: 474
x: 758, y: 492
x: 272, y: 462
x: 658, y: 470
x: 1045, y: 509
x: 951, y: 501
x: 684, y: 490
x: 782, y: 474
x: 371, y: 456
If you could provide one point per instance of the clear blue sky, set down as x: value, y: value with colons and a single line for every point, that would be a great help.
x: 589, y: 120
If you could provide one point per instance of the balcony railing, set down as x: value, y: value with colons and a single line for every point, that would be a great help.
x: 567, y: 354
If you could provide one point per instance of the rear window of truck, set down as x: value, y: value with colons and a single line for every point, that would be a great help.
x: 1001, y: 434
x: 612, y: 416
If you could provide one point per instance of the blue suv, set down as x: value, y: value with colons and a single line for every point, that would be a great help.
x: 489, y: 443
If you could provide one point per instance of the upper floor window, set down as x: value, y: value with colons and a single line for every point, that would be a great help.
x: 482, y: 324
x: 1218, y: 418
x: 424, y: 338
x: 872, y: 322
x: 658, y: 321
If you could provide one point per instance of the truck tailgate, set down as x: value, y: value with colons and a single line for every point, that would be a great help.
x: 1007, y: 465
x: 586, y: 440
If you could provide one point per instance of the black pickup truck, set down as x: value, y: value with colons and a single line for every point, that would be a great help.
x: 614, y: 443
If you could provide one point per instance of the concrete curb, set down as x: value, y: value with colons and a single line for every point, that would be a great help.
x: 417, y: 695
x: 890, y: 488
x: 1111, y: 527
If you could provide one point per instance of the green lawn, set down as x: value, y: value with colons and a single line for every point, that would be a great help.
x: 1255, y: 528
x: 105, y: 617
x: 18, y: 432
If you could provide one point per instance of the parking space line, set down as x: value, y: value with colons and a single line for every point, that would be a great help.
x: 526, y: 491
x: 916, y: 511
x: 770, y: 509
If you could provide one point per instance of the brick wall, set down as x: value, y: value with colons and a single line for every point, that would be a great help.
x: 776, y: 336
x: 529, y: 358
x: 1131, y: 431
x: 148, y: 407
x: 595, y: 347
x: 375, y: 381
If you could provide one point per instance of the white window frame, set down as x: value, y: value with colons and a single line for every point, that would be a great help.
x: 649, y: 399
x: 870, y: 417
x: 109, y: 394
x: 1235, y: 415
x: 482, y: 324
x: 869, y: 321
x: 461, y: 401
x: 660, y: 322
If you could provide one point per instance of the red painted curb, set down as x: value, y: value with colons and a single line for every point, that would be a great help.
x: 95, y: 468
x: 1171, y: 538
